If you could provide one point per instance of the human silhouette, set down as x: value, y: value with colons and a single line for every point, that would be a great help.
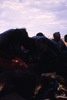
x: 12, y: 40
x: 40, y: 34
x: 65, y: 38
x: 58, y: 41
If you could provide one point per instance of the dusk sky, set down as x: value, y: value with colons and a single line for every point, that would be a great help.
x: 47, y: 16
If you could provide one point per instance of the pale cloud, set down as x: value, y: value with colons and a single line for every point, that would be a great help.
x: 10, y: 5
x: 36, y: 15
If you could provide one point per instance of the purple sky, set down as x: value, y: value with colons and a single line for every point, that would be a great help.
x: 47, y: 16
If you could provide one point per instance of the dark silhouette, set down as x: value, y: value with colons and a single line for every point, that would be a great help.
x: 34, y: 56
x: 58, y: 41
x: 12, y: 40
x: 65, y: 38
x: 47, y: 54
x: 40, y: 34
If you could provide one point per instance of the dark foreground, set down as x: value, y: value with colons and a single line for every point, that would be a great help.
x: 31, y: 68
